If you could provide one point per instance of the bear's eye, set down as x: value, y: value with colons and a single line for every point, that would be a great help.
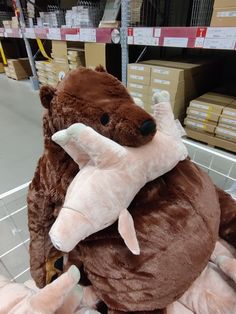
x: 104, y: 119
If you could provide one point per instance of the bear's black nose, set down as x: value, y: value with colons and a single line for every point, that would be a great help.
x: 148, y: 127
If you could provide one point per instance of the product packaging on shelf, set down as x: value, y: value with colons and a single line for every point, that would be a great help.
x: 18, y: 69
x: 203, y: 115
x: 224, y: 13
x: 207, y: 105
x: 199, y: 125
x: 139, y: 73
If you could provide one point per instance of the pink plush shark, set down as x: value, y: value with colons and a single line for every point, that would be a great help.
x: 110, y: 176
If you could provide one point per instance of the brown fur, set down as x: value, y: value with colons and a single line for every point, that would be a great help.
x: 176, y: 216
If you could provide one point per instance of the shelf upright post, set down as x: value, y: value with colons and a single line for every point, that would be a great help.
x: 125, y: 6
x: 34, y: 78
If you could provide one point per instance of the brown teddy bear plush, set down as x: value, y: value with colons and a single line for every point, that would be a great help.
x: 176, y: 216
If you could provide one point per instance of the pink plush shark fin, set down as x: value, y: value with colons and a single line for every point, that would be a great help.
x: 127, y: 231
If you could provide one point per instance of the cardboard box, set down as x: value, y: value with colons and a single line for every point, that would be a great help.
x: 228, y: 120
x: 224, y: 3
x: 19, y: 68
x: 226, y: 133
x: 7, y: 24
x: 1, y: 67
x: 15, y: 22
x: 224, y: 17
x: 227, y: 126
x: 109, y: 56
x: 200, y: 119
x: 174, y: 64
x: 7, y: 71
x: 139, y: 88
x: 206, y: 105
x: 204, y: 115
x: 203, y: 126
x: 40, y: 65
x: 175, y: 93
x: 230, y: 111
x: 211, y: 140
x: 59, y: 49
x: 225, y: 99
x: 139, y: 73
x: 73, y: 66
x: 42, y: 73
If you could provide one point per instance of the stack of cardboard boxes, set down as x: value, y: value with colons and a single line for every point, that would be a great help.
x: 1, y: 67
x: 50, y: 72
x: 13, y: 23
x: 60, y: 65
x: 183, y: 81
x: 76, y: 58
x: 227, y: 123
x: 18, y: 69
x: 7, y: 23
x: 42, y: 72
x: 224, y: 13
x: 211, y: 118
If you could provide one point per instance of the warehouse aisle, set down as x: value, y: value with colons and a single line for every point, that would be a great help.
x: 20, y: 132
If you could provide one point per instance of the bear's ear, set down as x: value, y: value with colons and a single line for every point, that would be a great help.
x: 100, y: 68
x: 46, y: 95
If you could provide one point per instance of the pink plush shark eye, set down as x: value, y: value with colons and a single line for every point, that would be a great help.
x: 104, y: 119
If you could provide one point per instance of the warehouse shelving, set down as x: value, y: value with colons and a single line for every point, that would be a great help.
x: 98, y: 35
x: 220, y: 38
x: 184, y: 37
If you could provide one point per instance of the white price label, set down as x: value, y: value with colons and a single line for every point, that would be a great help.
x: 164, y: 82
x: 228, y: 121
x: 221, y: 43
x: 137, y: 77
x: 226, y: 14
x: 221, y: 32
x: 137, y: 67
x: 160, y: 71
x: 8, y: 30
x: 175, y: 42
x: 195, y: 124
x: 72, y: 37
x: 196, y: 105
x: 225, y: 131
x: 139, y: 95
x: 143, y: 32
x: 146, y: 41
x: 199, y: 42
x: 230, y: 113
x: 199, y: 113
x: 29, y: 33
x: 157, y: 32
x: 156, y: 90
x: 144, y: 36
x: 130, y: 40
x: 54, y: 33
x: 88, y: 34
x: 138, y: 86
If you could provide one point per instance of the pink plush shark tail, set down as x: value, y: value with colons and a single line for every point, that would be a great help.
x: 69, y: 229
